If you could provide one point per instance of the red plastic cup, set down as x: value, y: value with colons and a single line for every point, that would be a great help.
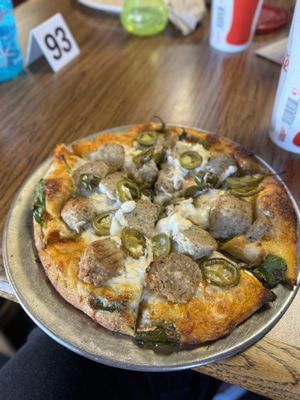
x: 233, y: 24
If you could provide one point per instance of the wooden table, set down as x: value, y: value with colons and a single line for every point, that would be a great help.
x: 118, y: 80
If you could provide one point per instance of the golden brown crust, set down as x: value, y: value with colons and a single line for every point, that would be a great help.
x: 246, y: 161
x: 59, y: 184
x: 83, y: 147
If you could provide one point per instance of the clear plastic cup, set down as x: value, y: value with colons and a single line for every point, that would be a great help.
x: 144, y: 17
x: 233, y: 24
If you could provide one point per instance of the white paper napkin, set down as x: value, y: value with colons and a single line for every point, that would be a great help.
x: 186, y: 14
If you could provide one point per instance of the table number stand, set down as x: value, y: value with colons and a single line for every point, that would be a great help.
x: 53, y: 40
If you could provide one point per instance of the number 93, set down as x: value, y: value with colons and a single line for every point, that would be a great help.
x: 52, y: 42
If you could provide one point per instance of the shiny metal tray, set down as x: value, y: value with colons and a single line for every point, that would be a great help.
x: 74, y: 330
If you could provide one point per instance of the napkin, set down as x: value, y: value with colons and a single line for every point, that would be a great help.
x: 186, y: 14
x: 274, y: 51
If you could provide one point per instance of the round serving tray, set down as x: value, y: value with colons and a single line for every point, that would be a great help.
x: 74, y: 330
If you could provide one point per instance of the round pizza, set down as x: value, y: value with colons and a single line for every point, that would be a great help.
x: 167, y: 234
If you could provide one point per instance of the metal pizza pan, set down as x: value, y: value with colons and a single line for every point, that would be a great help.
x: 76, y: 331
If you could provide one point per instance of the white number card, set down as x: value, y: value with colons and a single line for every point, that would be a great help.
x: 54, y: 40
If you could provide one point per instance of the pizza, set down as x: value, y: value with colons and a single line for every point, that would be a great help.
x: 167, y: 234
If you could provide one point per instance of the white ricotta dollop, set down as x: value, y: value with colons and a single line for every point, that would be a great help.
x: 197, y: 213
x: 118, y: 221
x: 177, y: 173
x: 173, y: 224
x: 228, y: 172
x: 115, y: 227
x: 198, y: 216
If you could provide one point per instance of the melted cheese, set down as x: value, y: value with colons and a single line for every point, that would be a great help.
x: 177, y: 172
x: 173, y: 224
x: 198, y: 216
x: 181, y: 147
x: 132, y: 276
x: 89, y: 236
x: 130, y: 152
x: 94, y: 155
x: 102, y: 203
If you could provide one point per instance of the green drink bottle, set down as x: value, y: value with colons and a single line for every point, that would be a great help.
x: 144, y: 17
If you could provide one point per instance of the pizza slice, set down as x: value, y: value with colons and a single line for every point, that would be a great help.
x: 188, y: 302
x: 90, y: 267
x: 273, y: 231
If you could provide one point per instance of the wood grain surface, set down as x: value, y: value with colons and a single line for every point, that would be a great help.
x: 119, y: 79
x: 269, y: 368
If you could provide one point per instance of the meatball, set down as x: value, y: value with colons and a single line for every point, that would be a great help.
x: 97, y: 168
x: 146, y: 173
x: 168, y: 181
x: 222, y: 165
x: 113, y: 155
x: 149, y: 172
x: 108, y: 185
x: 101, y: 261
x: 229, y: 217
x: 167, y: 139
x: 143, y: 217
x: 78, y: 212
x: 258, y: 229
x: 195, y: 242
x: 175, y: 277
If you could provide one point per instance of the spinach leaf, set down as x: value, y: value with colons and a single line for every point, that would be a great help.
x: 162, y: 333
x: 38, y: 207
x: 182, y: 136
x: 98, y: 304
x: 204, y: 143
x: 271, y: 272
